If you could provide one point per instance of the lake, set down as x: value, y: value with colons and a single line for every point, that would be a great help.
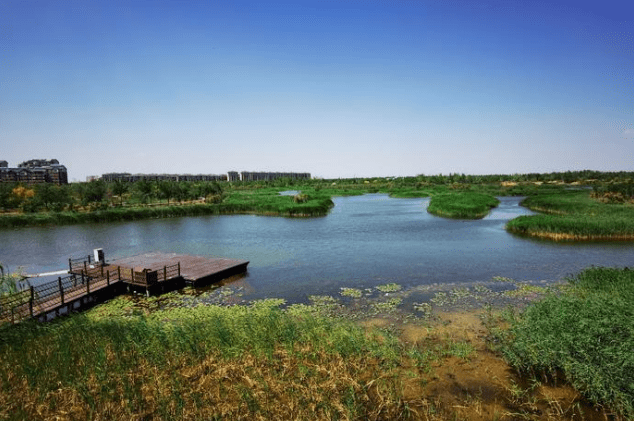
x: 363, y: 242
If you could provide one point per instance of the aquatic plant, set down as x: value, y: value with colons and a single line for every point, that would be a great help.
x: 391, y: 287
x: 351, y: 292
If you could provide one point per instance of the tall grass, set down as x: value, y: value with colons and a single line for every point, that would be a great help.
x: 586, y: 335
x: 575, y: 216
x: 462, y: 205
x: 209, y: 362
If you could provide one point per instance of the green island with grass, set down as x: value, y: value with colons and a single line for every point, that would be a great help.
x: 462, y: 205
x: 575, y: 216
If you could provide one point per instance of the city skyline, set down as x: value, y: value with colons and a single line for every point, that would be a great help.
x: 338, y: 89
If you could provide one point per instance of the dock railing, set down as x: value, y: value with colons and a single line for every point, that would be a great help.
x: 84, y: 280
x: 75, y: 265
x: 39, y: 299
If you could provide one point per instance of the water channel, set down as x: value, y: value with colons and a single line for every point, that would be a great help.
x: 363, y: 242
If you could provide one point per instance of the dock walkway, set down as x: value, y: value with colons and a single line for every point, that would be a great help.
x: 89, y: 281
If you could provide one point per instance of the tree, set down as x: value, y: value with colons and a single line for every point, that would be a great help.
x: 25, y: 198
x: 119, y: 188
x: 166, y: 190
x: 95, y: 192
x: 53, y: 197
x: 144, y: 190
x: 7, y: 199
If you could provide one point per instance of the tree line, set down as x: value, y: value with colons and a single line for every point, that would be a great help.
x: 99, y: 194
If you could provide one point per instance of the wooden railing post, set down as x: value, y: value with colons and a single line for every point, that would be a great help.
x: 101, y: 270
x: 31, y: 301
x: 179, y: 269
x: 108, y: 277
x: 88, y: 285
x: 165, y: 273
x: 132, y: 275
x: 70, y: 264
x: 119, y: 272
x: 61, y: 290
x: 85, y: 267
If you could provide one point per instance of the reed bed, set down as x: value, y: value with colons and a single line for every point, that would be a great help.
x: 574, y: 216
x: 462, y: 205
x: 584, y: 336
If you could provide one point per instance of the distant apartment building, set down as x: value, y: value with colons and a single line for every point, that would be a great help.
x: 34, y: 171
x: 267, y: 176
x: 230, y: 176
x: 110, y: 177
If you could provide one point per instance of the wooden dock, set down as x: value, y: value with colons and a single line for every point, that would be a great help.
x: 195, y: 270
x: 91, y: 282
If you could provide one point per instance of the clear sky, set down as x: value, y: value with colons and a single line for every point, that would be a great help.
x: 335, y: 88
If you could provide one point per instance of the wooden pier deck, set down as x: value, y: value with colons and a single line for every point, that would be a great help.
x: 90, y: 280
x: 193, y: 269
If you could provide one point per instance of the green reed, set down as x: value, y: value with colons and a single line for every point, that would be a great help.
x: 574, y: 215
x: 585, y: 335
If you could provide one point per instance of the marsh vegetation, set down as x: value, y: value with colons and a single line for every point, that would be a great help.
x: 363, y: 355
x: 575, y: 215
x: 463, y: 205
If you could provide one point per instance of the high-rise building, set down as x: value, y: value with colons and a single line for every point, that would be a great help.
x: 35, y: 171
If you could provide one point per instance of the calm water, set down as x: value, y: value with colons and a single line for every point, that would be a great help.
x: 365, y: 241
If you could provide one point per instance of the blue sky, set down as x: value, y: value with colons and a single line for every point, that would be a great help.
x: 335, y: 88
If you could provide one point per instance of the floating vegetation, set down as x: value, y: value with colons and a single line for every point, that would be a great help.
x: 351, y: 292
x: 440, y: 299
x: 386, y: 307
x: 424, y: 308
x: 458, y: 294
x: 526, y: 290
x: 392, y: 287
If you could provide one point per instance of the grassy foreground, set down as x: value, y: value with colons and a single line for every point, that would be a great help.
x: 574, y: 215
x: 209, y: 362
x: 462, y: 205
x: 200, y: 357
x: 585, y: 336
